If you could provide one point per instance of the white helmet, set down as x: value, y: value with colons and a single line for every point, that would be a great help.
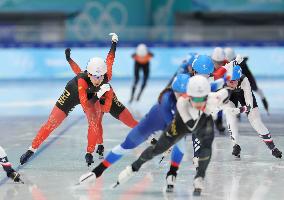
x: 229, y: 54
x: 97, y: 66
x: 218, y: 54
x: 198, y: 86
x: 141, y: 50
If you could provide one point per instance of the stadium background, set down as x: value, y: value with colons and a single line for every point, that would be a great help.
x: 34, y: 34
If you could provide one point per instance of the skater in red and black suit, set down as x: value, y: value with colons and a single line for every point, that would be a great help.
x: 109, y: 103
x: 142, y: 59
x: 86, y: 89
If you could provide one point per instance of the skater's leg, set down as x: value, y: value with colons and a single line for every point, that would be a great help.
x: 257, y: 124
x: 136, y: 79
x: 145, y: 79
x: 54, y: 120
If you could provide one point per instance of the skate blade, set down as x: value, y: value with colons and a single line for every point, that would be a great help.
x: 115, y: 185
x: 161, y: 159
x: 84, y: 180
x: 197, y: 192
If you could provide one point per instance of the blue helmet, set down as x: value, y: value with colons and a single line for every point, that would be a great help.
x: 189, y: 60
x: 180, y: 82
x: 203, y: 65
x: 236, y: 73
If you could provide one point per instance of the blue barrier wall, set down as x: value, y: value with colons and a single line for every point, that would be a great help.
x: 49, y: 63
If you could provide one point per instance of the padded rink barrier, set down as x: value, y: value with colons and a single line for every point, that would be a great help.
x: 50, y: 63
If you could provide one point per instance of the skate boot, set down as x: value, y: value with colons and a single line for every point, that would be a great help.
x: 198, y: 185
x: 219, y: 126
x: 15, y: 176
x: 89, y: 159
x: 26, y: 156
x: 100, y: 151
x: 125, y: 175
x: 236, y: 151
x: 195, y: 162
x: 276, y: 153
x: 171, y: 181
x: 89, y: 177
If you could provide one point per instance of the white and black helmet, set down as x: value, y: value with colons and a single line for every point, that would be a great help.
x: 97, y: 66
x: 198, y: 86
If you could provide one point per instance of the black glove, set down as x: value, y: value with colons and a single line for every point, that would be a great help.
x: 154, y: 141
x: 265, y: 104
x: 26, y: 156
x: 245, y: 109
x: 67, y: 53
x: 276, y: 153
x: 89, y: 159
x: 100, y: 151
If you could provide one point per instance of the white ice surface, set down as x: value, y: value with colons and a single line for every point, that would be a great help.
x: 53, y: 173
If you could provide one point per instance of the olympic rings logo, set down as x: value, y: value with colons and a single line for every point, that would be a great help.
x: 3, y: 2
x: 95, y: 18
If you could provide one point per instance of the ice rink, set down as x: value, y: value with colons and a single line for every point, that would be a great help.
x: 58, y: 164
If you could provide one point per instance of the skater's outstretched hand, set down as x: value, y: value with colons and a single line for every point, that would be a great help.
x: 67, y: 53
x: 114, y: 37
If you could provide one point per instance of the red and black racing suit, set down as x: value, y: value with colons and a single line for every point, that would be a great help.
x: 109, y: 103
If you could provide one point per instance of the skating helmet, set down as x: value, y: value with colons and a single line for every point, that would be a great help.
x: 235, y: 74
x: 218, y: 54
x: 229, y: 54
x: 198, y: 86
x: 141, y: 50
x: 180, y: 82
x: 203, y: 65
x: 97, y: 66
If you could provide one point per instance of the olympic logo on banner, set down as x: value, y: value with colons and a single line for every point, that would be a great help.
x: 95, y: 17
x: 3, y: 2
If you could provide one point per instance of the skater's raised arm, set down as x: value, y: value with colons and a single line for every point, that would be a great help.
x: 111, y: 55
x: 219, y: 73
x: 74, y: 66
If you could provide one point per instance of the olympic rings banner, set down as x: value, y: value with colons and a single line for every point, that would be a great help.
x: 50, y: 63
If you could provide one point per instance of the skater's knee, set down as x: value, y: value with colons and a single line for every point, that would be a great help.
x: 129, y: 144
x: 157, y: 150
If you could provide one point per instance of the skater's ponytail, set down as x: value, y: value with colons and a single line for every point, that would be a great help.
x: 168, y: 88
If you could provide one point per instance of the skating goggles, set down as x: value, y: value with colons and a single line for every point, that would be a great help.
x: 198, y: 99
x: 97, y: 77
